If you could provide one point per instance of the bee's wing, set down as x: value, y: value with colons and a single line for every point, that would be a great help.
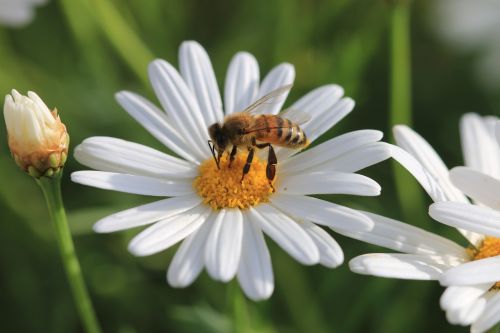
x: 271, y: 98
x: 296, y: 116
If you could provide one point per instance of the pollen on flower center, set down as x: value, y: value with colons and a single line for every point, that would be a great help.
x: 223, y: 188
x: 490, y: 247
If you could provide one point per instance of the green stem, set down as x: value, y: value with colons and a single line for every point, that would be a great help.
x: 409, y: 192
x: 51, y: 188
x: 494, y: 329
x: 238, y: 309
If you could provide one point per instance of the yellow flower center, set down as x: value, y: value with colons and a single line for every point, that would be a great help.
x: 490, y: 247
x: 223, y: 188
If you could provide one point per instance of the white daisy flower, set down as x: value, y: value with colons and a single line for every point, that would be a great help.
x: 18, y: 13
x: 470, y: 272
x: 219, y: 217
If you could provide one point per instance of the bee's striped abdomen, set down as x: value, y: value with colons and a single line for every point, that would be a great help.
x: 279, y: 131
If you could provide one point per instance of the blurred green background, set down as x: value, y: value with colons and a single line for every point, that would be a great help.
x: 78, y: 53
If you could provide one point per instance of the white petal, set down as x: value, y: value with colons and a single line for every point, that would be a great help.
x: 333, y: 182
x: 477, y: 185
x: 223, y: 249
x: 479, y: 146
x: 196, y: 69
x: 328, y: 119
x: 146, y: 214
x: 455, y: 297
x: 278, y: 77
x: 286, y: 233
x: 479, y: 219
x: 331, y: 149
x: 255, y: 273
x: 420, y: 149
x: 168, y: 232
x: 357, y: 159
x: 157, y: 123
x: 330, y: 252
x: 322, y: 212
x: 432, y: 185
x: 467, y: 313
x: 399, y: 236
x: 133, y: 184
x: 474, y: 272
x: 189, y: 258
x: 490, y: 316
x: 242, y: 82
x: 116, y: 155
x: 497, y: 132
x: 180, y: 104
x: 401, y: 266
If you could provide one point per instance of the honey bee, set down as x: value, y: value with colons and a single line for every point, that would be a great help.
x: 249, y: 130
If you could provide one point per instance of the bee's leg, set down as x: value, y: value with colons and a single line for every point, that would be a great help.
x: 271, y: 161
x: 246, y: 168
x: 232, y: 155
x: 271, y: 166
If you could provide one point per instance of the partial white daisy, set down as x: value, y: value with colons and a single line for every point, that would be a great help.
x: 472, y: 28
x: 18, y: 13
x: 219, y: 218
x: 471, y: 272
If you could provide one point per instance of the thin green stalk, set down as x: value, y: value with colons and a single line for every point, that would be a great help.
x: 238, y: 309
x: 123, y: 38
x: 409, y: 193
x: 494, y: 329
x: 51, y: 188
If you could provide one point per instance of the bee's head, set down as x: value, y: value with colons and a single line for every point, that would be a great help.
x: 218, y: 141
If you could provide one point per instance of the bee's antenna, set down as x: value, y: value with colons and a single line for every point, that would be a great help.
x: 212, y: 149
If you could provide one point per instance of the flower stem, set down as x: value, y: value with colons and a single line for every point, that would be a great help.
x: 51, y: 188
x: 409, y: 193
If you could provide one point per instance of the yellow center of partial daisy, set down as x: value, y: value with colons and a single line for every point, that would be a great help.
x: 223, y: 188
x: 490, y: 247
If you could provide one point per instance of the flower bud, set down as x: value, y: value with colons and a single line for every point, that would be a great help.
x: 37, y: 138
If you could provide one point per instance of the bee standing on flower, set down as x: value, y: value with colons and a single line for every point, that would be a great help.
x: 245, y: 129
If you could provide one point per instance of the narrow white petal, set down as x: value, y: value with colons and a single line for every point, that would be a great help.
x: 157, y: 123
x: 421, y: 150
x: 279, y: 76
x: 479, y: 219
x: 328, y: 119
x: 116, y: 155
x: 161, y: 235
x: 432, y: 185
x: 474, y: 272
x: 255, y: 273
x: 333, y: 182
x: 490, y: 316
x: 180, y: 104
x: 401, y: 266
x: 479, y: 146
x: 455, y: 297
x: 329, y: 150
x: 322, y: 212
x: 468, y: 312
x: 196, y: 69
x: 133, y: 184
x: 330, y: 252
x: 497, y: 132
x: 357, y: 159
x: 189, y: 258
x: 477, y: 185
x: 223, y: 249
x: 146, y: 214
x: 242, y: 82
x: 399, y: 236
x: 286, y: 233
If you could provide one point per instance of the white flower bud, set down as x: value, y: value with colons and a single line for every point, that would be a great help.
x: 37, y: 138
